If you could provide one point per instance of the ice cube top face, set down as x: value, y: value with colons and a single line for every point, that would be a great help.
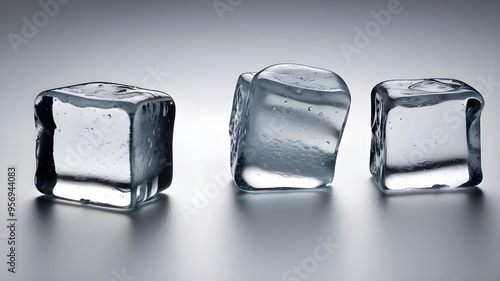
x: 425, y: 134
x: 286, y: 126
x: 103, y: 143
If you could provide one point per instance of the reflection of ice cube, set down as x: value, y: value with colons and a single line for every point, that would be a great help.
x: 286, y: 126
x: 425, y: 134
x: 104, y: 143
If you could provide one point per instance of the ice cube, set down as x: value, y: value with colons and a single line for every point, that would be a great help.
x: 103, y: 143
x: 286, y: 125
x: 425, y: 134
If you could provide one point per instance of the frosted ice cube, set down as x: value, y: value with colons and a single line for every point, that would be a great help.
x: 104, y: 143
x: 425, y: 134
x: 286, y: 125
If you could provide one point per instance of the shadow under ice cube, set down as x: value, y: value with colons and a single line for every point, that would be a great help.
x: 286, y: 126
x: 425, y: 134
x: 103, y: 143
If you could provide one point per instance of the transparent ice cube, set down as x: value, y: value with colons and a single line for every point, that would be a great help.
x: 286, y: 125
x: 103, y: 143
x: 425, y: 134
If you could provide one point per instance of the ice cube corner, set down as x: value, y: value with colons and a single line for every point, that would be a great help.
x: 425, y: 134
x: 103, y: 143
x: 286, y: 125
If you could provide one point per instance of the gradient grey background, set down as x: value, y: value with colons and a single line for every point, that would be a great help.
x: 420, y: 237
